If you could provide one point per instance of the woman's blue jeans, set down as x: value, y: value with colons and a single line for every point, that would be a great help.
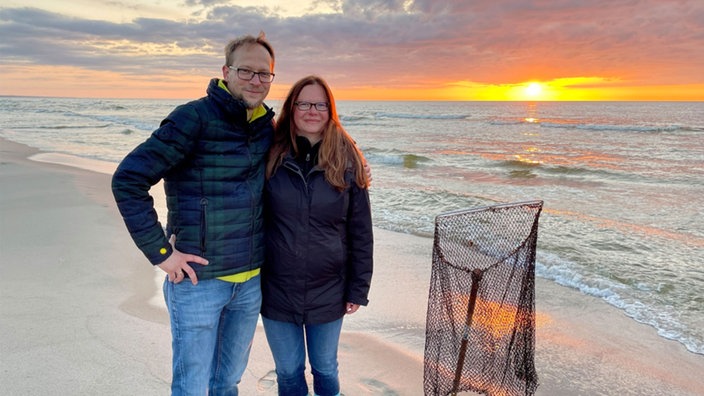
x: 288, y: 342
x: 212, y: 326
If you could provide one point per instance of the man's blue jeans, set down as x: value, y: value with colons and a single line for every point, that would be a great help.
x: 212, y: 326
x: 288, y: 347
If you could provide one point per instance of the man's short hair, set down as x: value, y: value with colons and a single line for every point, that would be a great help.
x: 247, y: 40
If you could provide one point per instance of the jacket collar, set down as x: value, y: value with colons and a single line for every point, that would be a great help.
x: 235, y: 107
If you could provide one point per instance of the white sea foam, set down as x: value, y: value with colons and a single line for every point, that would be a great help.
x: 76, y: 162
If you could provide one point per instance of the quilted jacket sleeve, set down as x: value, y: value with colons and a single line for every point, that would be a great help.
x: 145, y: 166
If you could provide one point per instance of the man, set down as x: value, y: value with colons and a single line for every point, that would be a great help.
x: 211, y: 155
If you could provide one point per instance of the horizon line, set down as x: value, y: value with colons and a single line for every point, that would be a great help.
x: 369, y: 100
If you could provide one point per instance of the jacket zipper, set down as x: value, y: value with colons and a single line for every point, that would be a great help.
x: 203, y: 224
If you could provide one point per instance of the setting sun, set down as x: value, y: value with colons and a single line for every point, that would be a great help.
x: 527, y: 91
x: 534, y: 89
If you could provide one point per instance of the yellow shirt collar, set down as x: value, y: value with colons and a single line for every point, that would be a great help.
x: 252, y: 114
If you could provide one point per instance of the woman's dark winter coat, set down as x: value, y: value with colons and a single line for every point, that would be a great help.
x: 319, y: 243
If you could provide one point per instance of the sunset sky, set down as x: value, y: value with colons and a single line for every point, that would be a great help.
x: 366, y: 49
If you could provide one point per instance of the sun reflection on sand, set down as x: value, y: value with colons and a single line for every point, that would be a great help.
x: 492, y: 317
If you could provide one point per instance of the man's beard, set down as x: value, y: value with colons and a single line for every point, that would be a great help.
x: 248, y: 104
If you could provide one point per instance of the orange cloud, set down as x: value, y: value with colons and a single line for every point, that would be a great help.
x: 479, y: 50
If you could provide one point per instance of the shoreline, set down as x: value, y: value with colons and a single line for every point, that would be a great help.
x: 77, y: 317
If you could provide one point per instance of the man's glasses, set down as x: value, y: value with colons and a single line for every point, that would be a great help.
x: 305, y: 106
x: 248, y: 75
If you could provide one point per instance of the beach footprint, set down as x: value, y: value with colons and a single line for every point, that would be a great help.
x: 376, y: 387
x: 267, y: 382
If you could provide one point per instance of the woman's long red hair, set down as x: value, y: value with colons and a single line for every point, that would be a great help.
x: 338, y: 151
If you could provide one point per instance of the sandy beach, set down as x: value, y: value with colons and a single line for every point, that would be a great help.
x: 78, y: 315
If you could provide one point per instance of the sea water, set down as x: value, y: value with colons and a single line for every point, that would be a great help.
x: 622, y: 182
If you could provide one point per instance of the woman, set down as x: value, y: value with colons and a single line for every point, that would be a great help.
x: 319, y: 238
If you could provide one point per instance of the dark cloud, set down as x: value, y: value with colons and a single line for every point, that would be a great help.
x: 390, y: 43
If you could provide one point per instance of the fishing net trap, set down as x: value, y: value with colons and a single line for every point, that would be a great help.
x: 480, y: 325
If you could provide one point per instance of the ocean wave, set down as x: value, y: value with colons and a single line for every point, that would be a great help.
x: 50, y: 127
x: 142, y: 126
x: 354, y: 118
x: 413, y: 211
x: 381, y: 115
x: 393, y: 157
x: 507, y: 121
x: 519, y: 164
x: 113, y: 107
x: 616, y: 127
x: 581, y: 124
x: 551, y: 267
x: 91, y: 121
x: 529, y: 168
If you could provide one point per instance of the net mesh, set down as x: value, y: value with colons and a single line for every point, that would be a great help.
x: 480, y: 325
